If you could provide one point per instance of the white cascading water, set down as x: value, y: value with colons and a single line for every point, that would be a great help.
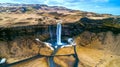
x: 58, y: 33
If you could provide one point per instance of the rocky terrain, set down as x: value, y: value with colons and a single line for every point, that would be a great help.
x: 97, y: 36
x: 34, y: 14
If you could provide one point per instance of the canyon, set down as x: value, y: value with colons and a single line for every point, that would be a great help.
x: 97, y: 37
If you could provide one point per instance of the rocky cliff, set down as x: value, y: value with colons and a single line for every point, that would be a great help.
x: 107, y: 41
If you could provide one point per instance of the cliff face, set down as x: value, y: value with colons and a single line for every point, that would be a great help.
x: 21, y: 47
x: 107, y: 41
x: 20, y: 41
x: 93, y: 33
x: 99, y: 49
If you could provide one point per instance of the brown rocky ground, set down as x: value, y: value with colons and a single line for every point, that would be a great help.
x: 98, y: 50
x: 97, y: 58
x: 25, y: 19
x: 40, y: 62
x: 9, y: 20
x: 88, y: 58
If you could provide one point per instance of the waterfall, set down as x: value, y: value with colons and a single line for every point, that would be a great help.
x: 58, y: 33
x: 50, y: 31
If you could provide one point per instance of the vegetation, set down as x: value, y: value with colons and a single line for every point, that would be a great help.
x: 112, y: 22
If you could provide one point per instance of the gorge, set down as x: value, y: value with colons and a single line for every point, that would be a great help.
x: 97, y: 37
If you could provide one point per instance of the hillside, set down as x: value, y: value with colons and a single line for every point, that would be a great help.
x: 34, y: 14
